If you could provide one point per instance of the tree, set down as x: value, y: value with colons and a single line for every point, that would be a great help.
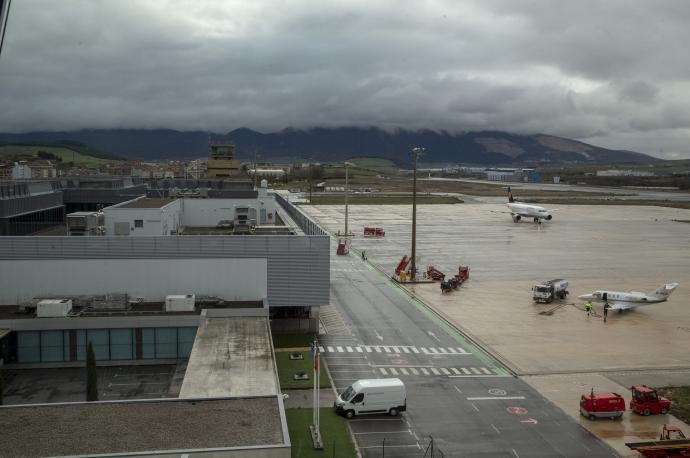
x: 91, y: 376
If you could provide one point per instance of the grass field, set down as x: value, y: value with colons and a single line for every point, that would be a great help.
x: 288, y: 367
x: 67, y: 155
x: 359, y: 199
x: 292, y: 340
x: 680, y: 401
x: 336, y: 440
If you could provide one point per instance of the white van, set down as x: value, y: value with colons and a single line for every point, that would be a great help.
x: 370, y: 396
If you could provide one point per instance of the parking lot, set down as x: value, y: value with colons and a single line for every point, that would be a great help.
x: 594, y: 247
x: 35, y: 386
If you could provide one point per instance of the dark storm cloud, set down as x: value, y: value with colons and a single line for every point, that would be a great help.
x: 615, y: 72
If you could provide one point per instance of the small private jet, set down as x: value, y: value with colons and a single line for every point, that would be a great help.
x: 629, y: 300
x: 519, y: 210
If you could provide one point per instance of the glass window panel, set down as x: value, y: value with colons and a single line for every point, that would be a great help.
x: 120, y: 344
x: 81, y: 345
x: 51, y: 346
x: 28, y: 347
x: 166, y: 342
x: 185, y: 341
x: 148, y: 337
x: 101, y: 344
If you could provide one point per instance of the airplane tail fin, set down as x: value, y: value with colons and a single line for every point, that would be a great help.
x: 510, y: 196
x: 665, y: 291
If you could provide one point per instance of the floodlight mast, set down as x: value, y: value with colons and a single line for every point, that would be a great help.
x: 416, y: 153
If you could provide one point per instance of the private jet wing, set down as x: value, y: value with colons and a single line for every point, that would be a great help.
x: 622, y: 305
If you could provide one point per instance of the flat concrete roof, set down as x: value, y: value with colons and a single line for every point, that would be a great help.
x: 147, y: 202
x: 138, y: 426
x: 231, y: 357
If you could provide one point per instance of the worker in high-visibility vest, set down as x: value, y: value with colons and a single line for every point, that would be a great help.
x: 588, y: 308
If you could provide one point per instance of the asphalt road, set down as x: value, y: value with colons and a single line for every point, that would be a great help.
x: 456, y: 394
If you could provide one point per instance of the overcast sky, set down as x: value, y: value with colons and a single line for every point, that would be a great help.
x: 612, y: 73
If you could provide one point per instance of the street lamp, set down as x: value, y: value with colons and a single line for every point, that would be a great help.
x: 347, y: 190
x: 416, y: 152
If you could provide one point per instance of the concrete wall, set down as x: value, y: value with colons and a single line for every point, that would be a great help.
x: 207, y: 212
x: 157, y: 221
x: 298, y: 266
x: 152, y: 279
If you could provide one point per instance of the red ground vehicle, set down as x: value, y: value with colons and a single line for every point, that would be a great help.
x: 646, y: 401
x: 374, y: 232
x: 457, y: 280
x: 602, y: 405
x: 434, y: 274
x: 671, y: 443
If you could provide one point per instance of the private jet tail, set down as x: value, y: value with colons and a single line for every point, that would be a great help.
x: 665, y: 291
x: 510, y: 196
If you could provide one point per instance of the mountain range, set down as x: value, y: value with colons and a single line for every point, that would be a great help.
x: 335, y: 144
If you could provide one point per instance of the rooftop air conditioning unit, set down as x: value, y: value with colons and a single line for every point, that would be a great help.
x: 51, y: 308
x: 179, y: 303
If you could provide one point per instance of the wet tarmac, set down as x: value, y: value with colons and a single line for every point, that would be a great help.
x: 593, y: 247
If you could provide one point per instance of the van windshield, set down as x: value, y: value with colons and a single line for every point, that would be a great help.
x: 347, y: 394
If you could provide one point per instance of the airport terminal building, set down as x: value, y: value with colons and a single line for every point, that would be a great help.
x: 140, y: 291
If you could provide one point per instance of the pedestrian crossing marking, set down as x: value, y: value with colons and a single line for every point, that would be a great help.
x: 441, y: 371
x: 321, y: 349
x: 397, y: 349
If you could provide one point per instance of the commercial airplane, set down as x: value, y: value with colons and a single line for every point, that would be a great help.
x: 628, y: 300
x: 518, y: 210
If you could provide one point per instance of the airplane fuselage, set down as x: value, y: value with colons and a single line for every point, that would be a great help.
x: 528, y: 211
x: 620, y: 296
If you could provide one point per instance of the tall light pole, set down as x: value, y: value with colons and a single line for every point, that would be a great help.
x: 347, y: 190
x: 416, y: 152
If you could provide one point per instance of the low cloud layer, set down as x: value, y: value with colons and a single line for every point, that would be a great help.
x: 614, y: 73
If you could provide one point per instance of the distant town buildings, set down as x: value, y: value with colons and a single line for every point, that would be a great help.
x: 623, y: 173
x: 503, y: 174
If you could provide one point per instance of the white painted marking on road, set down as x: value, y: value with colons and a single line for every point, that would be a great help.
x: 463, y: 351
x: 457, y: 389
x: 455, y: 371
x: 378, y: 336
x: 479, y: 376
x: 425, y: 351
x: 445, y: 371
x: 393, y: 371
x: 321, y: 349
x: 387, y: 349
x: 405, y: 349
x: 465, y: 370
x: 383, y: 371
x: 495, y: 429
x: 475, y: 370
x: 434, y: 336
x: 340, y: 349
x: 433, y: 350
x: 384, y: 432
x: 378, y: 349
x: 331, y: 350
x: 435, y: 371
x: 488, y: 398
x: 474, y: 407
x: 367, y: 348
x: 485, y: 370
x: 404, y: 371
x: 414, y: 350
x: 516, y: 454
x: 349, y: 349
x: 391, y: 446
x: 451, y: 350
x: 396, y: 350
x: 359, y: 349
x: 424, y: 371
x: 414, y: 371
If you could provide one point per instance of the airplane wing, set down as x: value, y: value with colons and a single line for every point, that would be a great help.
x: 622, y: 305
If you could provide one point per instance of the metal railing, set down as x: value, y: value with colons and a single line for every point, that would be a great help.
x: 308, y: 225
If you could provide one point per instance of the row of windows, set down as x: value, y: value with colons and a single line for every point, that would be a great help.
x: 108, y: 344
